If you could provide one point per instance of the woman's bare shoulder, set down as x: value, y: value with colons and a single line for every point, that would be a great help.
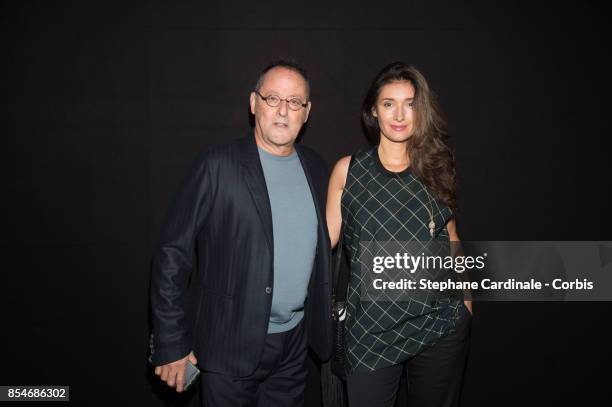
x: 338, y: 176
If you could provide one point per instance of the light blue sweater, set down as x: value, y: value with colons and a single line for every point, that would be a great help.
x: 294, y: 227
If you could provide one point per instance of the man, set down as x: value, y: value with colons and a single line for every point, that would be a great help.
x: 252, y: 212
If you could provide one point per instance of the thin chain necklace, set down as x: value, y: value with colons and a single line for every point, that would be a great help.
x: 432, y: 223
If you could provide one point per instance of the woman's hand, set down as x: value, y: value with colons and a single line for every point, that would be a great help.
x: 451, y: 228
x: 468, y: 305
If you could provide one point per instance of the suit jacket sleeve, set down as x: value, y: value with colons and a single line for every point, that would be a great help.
x: 172, y: 264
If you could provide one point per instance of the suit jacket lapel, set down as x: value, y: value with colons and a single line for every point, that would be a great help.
x: 313, y: 190
x: 323, y: 235
x: 254, y: 178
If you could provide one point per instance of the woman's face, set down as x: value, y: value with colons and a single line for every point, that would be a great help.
x: 394, y: 111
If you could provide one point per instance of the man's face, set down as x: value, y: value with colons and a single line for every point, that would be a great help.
x: 278, y: 127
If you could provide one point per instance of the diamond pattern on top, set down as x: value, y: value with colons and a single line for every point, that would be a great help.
x: 379, y: 207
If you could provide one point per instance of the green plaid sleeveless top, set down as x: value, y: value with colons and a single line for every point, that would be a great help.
x: 377, y: 206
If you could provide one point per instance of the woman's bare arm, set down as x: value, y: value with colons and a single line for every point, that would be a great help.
x: 451, y: 228
x: 334, y: 195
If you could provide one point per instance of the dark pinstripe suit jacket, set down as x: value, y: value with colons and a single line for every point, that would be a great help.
x: 217, y: 239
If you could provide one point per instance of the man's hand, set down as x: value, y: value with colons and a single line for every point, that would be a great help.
x: 468, y: 305
x: 174, y: 373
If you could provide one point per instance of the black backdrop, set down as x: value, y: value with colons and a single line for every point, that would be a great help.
x: 104, y: 105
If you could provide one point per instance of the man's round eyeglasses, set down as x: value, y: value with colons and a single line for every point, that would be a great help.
x: 274, y: 101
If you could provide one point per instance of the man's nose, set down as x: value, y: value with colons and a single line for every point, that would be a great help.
x: 283, y: 108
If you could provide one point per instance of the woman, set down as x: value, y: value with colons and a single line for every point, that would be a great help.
x: 401, y: 190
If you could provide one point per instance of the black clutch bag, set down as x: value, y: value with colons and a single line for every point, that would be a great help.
x: 338, y: 359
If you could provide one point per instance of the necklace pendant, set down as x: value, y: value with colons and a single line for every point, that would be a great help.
x: 432, y: 228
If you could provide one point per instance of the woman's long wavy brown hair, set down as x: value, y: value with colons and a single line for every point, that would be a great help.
x: 431, y: 159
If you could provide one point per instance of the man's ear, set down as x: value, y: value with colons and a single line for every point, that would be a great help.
x: 307, y: 111
x: 252, y: 100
